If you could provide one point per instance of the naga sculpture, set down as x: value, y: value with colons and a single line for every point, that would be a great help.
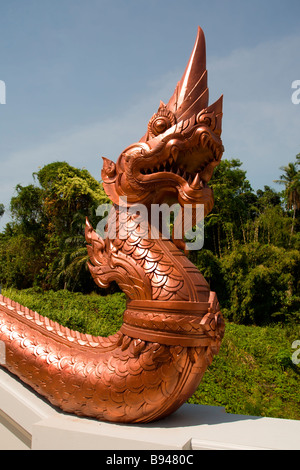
x: 172, y: 326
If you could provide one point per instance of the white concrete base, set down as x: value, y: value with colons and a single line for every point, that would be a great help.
x: 29, y: 422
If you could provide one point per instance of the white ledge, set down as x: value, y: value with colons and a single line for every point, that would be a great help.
x: 29, y: 422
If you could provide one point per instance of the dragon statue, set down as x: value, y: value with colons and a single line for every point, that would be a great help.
x: 172, y: 326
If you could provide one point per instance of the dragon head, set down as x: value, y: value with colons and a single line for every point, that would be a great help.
x: 175, y: 159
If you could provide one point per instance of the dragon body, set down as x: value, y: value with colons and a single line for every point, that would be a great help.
x: 172, y: 326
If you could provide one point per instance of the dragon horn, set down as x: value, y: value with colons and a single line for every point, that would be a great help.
x: 191, y: 93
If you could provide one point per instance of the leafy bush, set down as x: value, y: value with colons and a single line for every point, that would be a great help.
x: 20, y: 261
x: 253, y: 373
x: 211, y: 267
x: 94, y: 314
x: 263, y: 284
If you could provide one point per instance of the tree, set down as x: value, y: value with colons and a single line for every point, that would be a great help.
x: 291, y: 179
x: 27, y: 210
x: 49, y: 219
x: 2, y: 210
x: 267, y: 197
x: 234, y: 199
x: 70, y: 195
x: 271, y: 225
x: 262, y: 282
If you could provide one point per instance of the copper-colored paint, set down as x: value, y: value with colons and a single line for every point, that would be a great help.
x: 172, y: 324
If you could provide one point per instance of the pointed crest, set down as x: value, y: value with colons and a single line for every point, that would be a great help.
x: 189, y: 98
x: 191, y: 92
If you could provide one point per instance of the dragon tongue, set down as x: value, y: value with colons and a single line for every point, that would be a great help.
x: 196, y: 183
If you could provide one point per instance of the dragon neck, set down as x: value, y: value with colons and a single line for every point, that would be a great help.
x: 137, y: 254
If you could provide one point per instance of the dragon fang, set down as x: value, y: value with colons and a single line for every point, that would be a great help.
x: 172, y: 326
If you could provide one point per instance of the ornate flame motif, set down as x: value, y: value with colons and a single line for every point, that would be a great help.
x: 172, y: 325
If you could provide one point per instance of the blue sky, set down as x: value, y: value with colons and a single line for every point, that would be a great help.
x: 83, y: 77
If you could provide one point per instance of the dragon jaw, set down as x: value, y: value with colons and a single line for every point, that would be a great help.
x: 180, y: 149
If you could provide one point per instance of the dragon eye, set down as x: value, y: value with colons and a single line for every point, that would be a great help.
x: 160, y: 125
x: 161, y: 121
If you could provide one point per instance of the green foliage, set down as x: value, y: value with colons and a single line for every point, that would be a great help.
x: 68, y: 192
x: 44, y: 244
x: 263, y: 281
x: 88, y: 313
x: 256, y: 283
x: 233, y: 200
x: 2, y: 210
x: 251, y: 256
x: 272, y: 227
x: 242, y: 216
x: 26, y: 206
x: 20, y: 261
x: 211, y: 267
x: 291, y: 179
x: 253, y: 373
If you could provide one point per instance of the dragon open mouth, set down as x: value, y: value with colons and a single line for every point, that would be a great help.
x: 170, y: 166
x: 190, y: 163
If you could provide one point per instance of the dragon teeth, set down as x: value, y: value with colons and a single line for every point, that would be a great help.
x: 196, y: 183
x: 175, y: 153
